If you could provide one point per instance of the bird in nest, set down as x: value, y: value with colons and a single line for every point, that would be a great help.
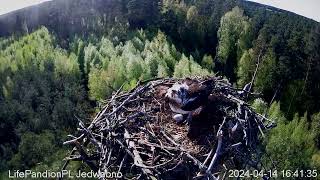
x: 186, y: 98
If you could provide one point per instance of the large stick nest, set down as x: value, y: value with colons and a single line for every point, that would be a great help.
x: 135, y: 134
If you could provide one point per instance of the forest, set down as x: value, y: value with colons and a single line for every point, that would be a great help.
x: 60, y: 60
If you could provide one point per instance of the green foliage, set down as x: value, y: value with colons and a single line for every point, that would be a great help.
x: 315, y: 162
x: 163, y: 70
x: 265, y: 79
x: 98, y: 84
x: 290, y: 145
x: 188, y: 68
x: 260, y: 106
x: 275, y: 113
x: 232, y: 25
x: 142, y: 13
x: 234, y: 38
x: 182, y: 69
x: 91, y: 58
x: 40, y: 90
x: 315, y: 119
x: 294, y: 98
x: 33, y: 149
x: 192, y: 14
x: 246, y: 68
x: 66, y: 64
x: 53, y: 162
x: 137, y: 59
x: 207, y: 62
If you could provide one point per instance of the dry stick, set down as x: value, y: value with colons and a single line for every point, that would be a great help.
x: 248, y: 129
x: 255, y: 72
x: 128, y: 99
x: 217, y: 153
x: 91, y: 137
x: 258, y: 123
x: 67, y: 161
x: 275, y: 94
x: 102, y: 152
x: 307, y: 76
x: 158, y: 146
x: 152, y: 132
x: 101, y: 113
x: 236, y: 100
x: 72, y: 153
x: 293, y: 97
x: 109, y: 157
x: 137, y: 158
x: 208, y: 157
x: 121, y: 163
x: 124, y: 147
x: 174, y: 167
x: 263, y: 117
x: 262, y: 133
x: 73, y: 140
x: 85, y: 156
x: 74, y: 158
x: 195, y: 160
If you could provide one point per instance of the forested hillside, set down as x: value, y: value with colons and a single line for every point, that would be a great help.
x: 60, y: 59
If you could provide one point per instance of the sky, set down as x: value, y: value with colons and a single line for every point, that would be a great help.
x: 307, y: 8
x: 11, y: 5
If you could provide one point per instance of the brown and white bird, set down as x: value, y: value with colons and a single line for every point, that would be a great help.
x: 176, y: 96
x: 186, y: 98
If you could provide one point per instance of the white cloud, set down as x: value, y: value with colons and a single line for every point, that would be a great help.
x: 307, y: 8
x: 11, y: 5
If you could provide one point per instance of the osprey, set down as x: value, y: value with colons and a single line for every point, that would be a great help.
x: 177, y: 96
x: 187, y: 97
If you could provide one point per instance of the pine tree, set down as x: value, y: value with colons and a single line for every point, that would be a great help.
x: 289, y: 145
x: 207, y: 62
